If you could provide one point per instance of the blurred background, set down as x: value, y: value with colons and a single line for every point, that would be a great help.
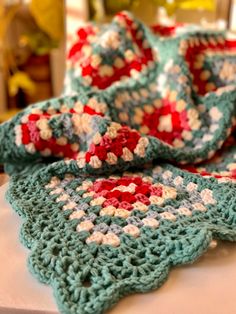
x: 34, y: 35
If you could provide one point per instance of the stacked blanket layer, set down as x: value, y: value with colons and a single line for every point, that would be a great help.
x: 132, y: 170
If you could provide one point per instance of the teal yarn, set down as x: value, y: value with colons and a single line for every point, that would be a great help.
x: 132, y: 170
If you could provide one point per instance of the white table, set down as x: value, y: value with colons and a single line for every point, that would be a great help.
x: 206, y: 287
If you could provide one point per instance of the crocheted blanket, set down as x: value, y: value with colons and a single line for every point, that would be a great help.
x: 132, y: 170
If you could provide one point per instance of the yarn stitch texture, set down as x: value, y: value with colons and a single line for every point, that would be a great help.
x: 133, y: 169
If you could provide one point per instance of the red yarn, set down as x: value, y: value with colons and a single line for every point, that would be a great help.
x: 116, y: 148
x: 111, y: 202
x: 114, y: 194
x: 127, y: 197
x: 143, y: 189
x: 100, y: 152
x: 142, y: 198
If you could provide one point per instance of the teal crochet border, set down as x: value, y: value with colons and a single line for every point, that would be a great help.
x: 56, y: 247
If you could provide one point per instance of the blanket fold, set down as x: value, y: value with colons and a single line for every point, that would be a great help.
x: 132, y: 169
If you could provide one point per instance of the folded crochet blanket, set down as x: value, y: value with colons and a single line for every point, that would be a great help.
x: 132, y: 170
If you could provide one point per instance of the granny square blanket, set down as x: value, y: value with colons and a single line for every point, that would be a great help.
x: 132, y: 169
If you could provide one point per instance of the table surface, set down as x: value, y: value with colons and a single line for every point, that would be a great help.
x: 205, y: 287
